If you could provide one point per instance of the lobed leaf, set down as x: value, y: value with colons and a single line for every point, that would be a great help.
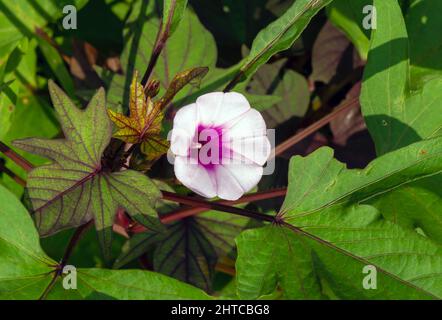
x: 77, y: 186
x: 143, y: 125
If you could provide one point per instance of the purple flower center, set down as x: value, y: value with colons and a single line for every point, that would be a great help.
x: 211, y: 146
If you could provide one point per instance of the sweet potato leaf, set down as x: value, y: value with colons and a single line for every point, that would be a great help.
x: 24, y: 267
x: 348, y: 16
x: 186, y: 254
x: 105, y: 284
x: 280, y: 34
x: 78, y: 186
x: 143, y: 125
x: 219, y: 228
x: 338, y: 215
x: 270, y: 255
x: 173, y: 11
x: 396, y: 116
x: 26, y: 271
x: 290, y: 86
x: 325, y: 212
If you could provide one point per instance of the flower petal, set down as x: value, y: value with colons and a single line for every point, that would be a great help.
x: 218, y: 108
x: 247, y: 138
x: 250, y: 124
x: 228, y: 187
x: 248, y: 150
x: 195, y: 177
x: 234, y: 180
x: 184, y: 128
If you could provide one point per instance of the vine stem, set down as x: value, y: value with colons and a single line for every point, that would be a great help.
x: 195, y: 202
x: 79, y: 232
x: 287, y: 144
x: 14, y: 156
x: 12, y: 175
x: 183, y: 213
x: 162, y: 37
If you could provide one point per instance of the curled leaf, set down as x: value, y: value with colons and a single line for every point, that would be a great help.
x: 143, y: 125
x: 192, y: 76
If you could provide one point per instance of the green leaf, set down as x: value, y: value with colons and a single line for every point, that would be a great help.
x: 270, y: 255
x: 292, y: 87
x: 103, y: 284
x: 86, y: 254
x: 23, y: 114
x: 30, y: 116
x: 221, y: 229
x: 26, y: 271
x: 173, y: 11
x: 136, y: 246
x: 416, y: 206
x: 423, y: 25
x: 77, y: 186
x: 348, y: 16
x: 397, y: 116
x: 326, y: 201
x: 280, y: 34
x: 186, y: 254
x: 189, y: 47
x: 24, y: 267
x: 22, y: 17
x: 57, y: 66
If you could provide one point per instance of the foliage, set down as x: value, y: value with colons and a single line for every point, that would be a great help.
x: 353, y: 224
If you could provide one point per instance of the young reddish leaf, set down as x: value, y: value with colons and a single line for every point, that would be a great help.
x: 192, y: 76
x: 152, y: 89
x: 143, y: 124
x: 77, y: 186
x: 154, y: 147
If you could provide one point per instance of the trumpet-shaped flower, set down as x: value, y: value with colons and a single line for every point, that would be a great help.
x: 220, y: 145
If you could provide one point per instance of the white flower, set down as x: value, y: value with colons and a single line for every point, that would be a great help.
x: 220, y: 145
